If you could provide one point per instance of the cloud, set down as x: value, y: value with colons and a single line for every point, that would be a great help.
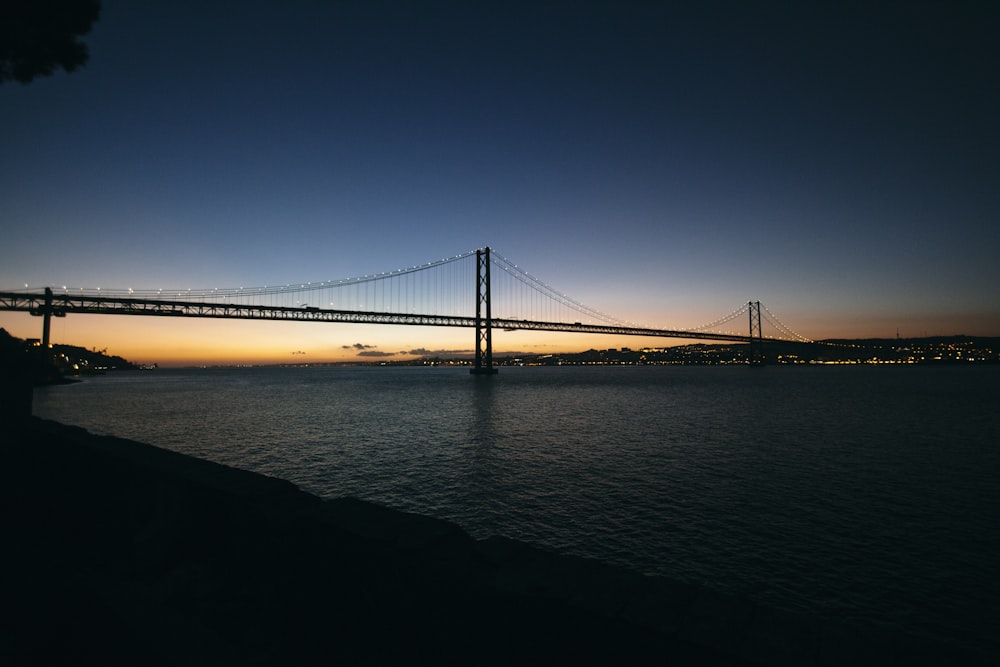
x: 424, y: 352
x: 368, y: 350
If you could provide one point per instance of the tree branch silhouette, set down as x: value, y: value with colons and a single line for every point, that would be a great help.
x: 37, y: 37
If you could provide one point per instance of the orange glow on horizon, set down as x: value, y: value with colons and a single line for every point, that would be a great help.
x: 197, y: 341
x: 169, y: 341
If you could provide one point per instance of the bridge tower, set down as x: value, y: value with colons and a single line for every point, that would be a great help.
x: 47, y: 312
x: 47, y: 320
x: 756, y: 356
x: 484, y: 325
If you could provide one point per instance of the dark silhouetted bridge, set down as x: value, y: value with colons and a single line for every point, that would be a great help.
x: 437, y: 293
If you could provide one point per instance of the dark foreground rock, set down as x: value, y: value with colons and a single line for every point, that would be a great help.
x: 115, y: 552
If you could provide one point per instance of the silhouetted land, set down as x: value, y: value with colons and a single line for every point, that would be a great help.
x: 117, y: 552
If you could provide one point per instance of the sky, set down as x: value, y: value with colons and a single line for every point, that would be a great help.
x: 661, y: 162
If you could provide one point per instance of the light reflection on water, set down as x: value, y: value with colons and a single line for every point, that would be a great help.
x: 864, y: 494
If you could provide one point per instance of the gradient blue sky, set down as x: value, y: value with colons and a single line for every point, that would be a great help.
x: 661, y: 162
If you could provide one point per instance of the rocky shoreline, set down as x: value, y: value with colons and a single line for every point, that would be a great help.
x: 118, y: 552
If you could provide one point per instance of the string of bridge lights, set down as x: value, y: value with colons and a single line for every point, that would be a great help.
x: 780, y: 326
x: 531, y: 281
x: 229, y: 292
x: 723, y: 320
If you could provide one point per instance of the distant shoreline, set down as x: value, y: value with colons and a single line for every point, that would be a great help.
x: 931, y: 350
x: 72, y: 360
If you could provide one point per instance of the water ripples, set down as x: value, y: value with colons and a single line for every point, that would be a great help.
x: 856, y: 493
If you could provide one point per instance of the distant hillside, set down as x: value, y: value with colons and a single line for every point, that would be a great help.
x: 23, y: 356
x: 82, y: 359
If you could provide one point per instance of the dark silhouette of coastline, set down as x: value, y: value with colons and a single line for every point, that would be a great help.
x: 121, y: 553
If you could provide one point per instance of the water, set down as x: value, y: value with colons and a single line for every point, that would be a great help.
x: 863, y: 494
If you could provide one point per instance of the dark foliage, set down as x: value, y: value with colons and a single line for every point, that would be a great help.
x: 37, y: 37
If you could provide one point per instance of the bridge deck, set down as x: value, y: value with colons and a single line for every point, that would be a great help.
x: 60, y: 305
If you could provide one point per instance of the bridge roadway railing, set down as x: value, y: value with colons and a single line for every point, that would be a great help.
x: 61, y: 304
x: 578, y: 327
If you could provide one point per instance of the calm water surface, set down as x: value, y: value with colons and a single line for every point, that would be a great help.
x: 864, y: 494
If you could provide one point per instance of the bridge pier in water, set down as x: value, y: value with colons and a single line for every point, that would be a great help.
x: 484, y: 325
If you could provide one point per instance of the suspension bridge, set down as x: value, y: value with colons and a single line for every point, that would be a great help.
x: 438, y: 293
